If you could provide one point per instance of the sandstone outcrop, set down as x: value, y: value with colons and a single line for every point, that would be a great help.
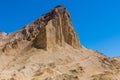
x: 58, y: 30
x: 49, y: 49
x: 53, y: 28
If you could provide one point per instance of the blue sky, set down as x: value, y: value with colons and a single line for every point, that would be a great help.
x: 97, y: 22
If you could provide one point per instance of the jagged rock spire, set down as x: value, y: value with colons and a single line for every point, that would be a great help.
x: 53, y: 28
x: 57, y: 29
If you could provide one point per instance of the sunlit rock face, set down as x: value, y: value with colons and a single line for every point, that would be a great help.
x: 58, y: 30
x: 49, y: 49
x: 2, y: 35
x: 53, y: 28
x: 2, y: 38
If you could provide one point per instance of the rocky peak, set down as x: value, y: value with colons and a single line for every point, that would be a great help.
x: 57, y: 29
x: 53, y: 28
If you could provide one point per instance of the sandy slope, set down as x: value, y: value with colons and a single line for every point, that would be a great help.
x: 59, y: 63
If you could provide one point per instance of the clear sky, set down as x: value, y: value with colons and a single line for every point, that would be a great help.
x: 97, y: 22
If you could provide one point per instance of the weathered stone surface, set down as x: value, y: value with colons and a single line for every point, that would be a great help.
x: 58, y: 29
x: 53, y: 28
x: 49, y: 49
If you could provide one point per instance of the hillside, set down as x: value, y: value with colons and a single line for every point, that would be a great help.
x: 49, y: 49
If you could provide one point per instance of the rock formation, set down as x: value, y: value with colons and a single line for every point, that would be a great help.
x: 49, y: 49
x: 54, y: 28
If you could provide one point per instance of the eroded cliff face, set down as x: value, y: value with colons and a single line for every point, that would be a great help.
x: 49, y: 49
x: 53, y: 28
x: 57, y: 31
